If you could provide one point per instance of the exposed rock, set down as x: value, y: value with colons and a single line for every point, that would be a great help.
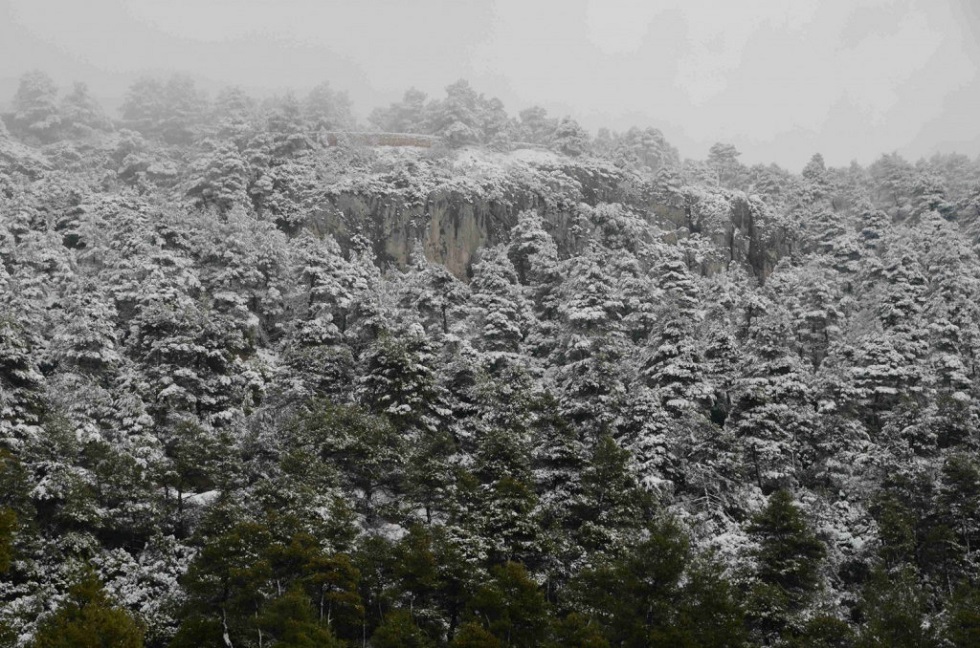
x: 450, y: 225
x: 452, y: 221
x: 744, y: 228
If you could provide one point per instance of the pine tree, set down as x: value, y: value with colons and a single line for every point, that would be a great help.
x: 893, y: 177
x: 193, y: 457
x: 772, y: 413
x: 185, y: 107
x: 722, y: 158
x: 36, y: 112
x: 434, y: 293
x: 366, y: 449
x: 191, y: 354
x: 788, y: 560
x: 289, y: 621
x: 400, y: 382
x: 22, y: 407
x: 511, y: 607
x: 430, y: 474
x: 570, y: 138
x: 233, y: 116
x: 536, y: 126
x: 226, y: 587
x: 406, y: 116
x: 398, y: 630
x: 611, y: 510
x: 656, y: 593
x: 532, y: 250
x: 503, y: 314
x: 953, y: 530
x: 81, y: 112
x: 333, y: 582
x: 172, y: 110
x: 417, y: 572
x: 894, y: 612
x: 588, y: 356
x: 326, y: 108
x: 577, y: 631
x: 645, y: 150
x: 219, y: 177
x: 963, y: 627
x: 473, y: 635
x: 457, y: 118
x: 558, y: 459
x: 88, y: 619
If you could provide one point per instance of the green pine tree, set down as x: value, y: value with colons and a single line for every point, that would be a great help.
x: 88, y: 619
x: 290, y: 622
x: 788, y: 561
x: 511, y: 607
x: 894, y: 610
x: 963, y: 624
x: 399, y: 630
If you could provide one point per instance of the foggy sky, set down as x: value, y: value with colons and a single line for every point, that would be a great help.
x: 780, y: 79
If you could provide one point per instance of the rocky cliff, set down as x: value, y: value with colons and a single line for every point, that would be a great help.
x: 473, y: 201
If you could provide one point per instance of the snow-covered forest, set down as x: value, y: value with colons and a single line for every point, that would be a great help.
x: 270, y: 377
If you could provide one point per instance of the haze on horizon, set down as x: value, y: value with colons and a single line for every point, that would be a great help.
x: 779, y: 79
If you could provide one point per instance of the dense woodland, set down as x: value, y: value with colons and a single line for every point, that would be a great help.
x: 664, y: 402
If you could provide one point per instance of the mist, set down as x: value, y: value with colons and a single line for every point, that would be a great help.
x: 779, y: 79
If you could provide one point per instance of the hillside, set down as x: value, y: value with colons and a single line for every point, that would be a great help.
x: 266, y: 383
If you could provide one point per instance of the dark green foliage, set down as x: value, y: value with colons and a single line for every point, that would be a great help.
x: 788, y: 560
x: 658, y: 594
x: 896, y: 524
x: 789, y: 555
x: 577, y: 631
x: 611, y: 507
x: 398, y: 630
x: 250, y: 585
x: 429, y: 475
x: 225, y: 584
x: 88, y: 619
x: 366, y: 449
x: 290, y: 622
x: 8, y: 529
x: 963, y: 623
x: 474, y: 635
x: 820, y: 632
x: 894, y: 612
x: 958, y: 500
x: 511, y: 607
x: 333, y: 585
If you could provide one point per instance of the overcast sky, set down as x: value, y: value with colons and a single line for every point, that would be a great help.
x: 780, y: 79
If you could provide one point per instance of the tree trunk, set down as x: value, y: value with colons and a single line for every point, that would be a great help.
x: 224, y: 626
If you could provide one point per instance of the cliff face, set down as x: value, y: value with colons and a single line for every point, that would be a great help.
x: 452, y: 220
x: 449, y: 224
x: 742, y: 229
x: 756, y: 237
